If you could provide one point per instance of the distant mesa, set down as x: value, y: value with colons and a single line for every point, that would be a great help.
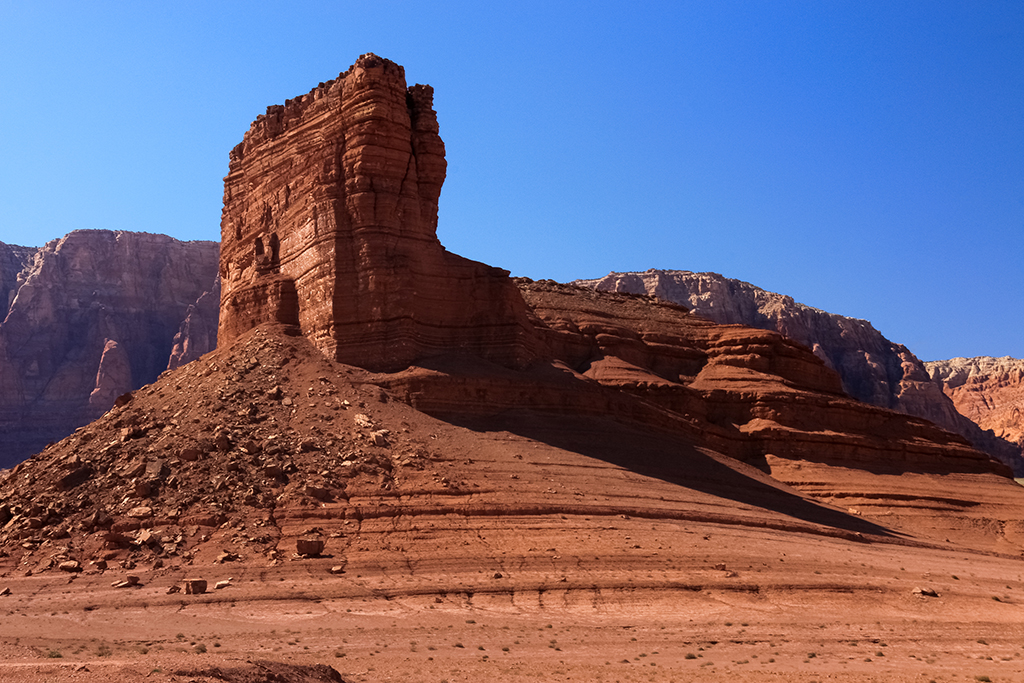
x: 989, y: 391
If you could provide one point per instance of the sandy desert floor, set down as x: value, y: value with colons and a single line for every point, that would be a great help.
x: 755, y: 606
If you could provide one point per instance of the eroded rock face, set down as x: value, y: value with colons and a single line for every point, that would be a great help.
x: 329, y: 224
x: 92, y: 315
x: 14, y: 261
x: 872, y: 368
x: 989, y: 391
x: 113, y: 378
x: 752, y: 394
x: 197, y: 335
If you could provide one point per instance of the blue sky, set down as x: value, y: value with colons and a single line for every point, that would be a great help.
x: 864, y: 157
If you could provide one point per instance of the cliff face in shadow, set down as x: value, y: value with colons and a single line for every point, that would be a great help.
x: 88, y: 317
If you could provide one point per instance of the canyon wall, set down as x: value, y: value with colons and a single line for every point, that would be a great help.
x: 872, y: 368
x: 990, y: 391
x: 91, y: 316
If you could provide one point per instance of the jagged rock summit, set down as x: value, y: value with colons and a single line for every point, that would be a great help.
x: 329, y: 223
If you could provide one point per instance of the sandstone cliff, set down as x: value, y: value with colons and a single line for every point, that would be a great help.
x: 989, y: 391
x: 329, y: 223
x: 91, y: 316
x: 873, y: 369
x: 14, y: 261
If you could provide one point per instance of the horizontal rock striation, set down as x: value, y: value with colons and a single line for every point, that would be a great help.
x: 329, y: 224
x: 989, y: 391
x: 872, y: 368
x: 748, y: 393
x: 92, y: 316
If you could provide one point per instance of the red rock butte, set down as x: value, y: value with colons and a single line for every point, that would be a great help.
x: 329, y: 223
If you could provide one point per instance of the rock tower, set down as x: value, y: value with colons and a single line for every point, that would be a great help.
x: 329, y: 224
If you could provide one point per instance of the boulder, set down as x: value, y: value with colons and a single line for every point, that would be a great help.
x: 309, y: 546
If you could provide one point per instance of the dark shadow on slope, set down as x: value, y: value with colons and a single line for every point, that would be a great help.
x: 669, y: 459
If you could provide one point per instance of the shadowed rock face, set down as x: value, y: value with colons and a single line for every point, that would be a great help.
x: 989, y: 391
x: 91, y: 316
x: 198, y: 332
x: 872, y: 368
x: 329, y: 223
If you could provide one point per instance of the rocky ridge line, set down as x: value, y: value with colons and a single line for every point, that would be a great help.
x: 873, y: 369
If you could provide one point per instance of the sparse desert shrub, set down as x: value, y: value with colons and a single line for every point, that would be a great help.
x: 54, y: 654
x: 200, y: 648
x: 690, y: 655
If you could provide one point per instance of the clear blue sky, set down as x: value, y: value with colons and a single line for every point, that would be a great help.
x: 865, y: 157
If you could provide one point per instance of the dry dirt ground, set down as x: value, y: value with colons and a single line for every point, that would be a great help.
x: 722, y: 602
x: 527, y: 548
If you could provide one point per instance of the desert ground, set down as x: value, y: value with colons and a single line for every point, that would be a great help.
x: 520, y: 547
x: 714, y: 602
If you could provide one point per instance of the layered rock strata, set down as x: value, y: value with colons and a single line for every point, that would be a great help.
x: 989, y: 391
x: 329, y: 224
x: 92, y: 316
x: 873, y: 369
x: 751, y: 394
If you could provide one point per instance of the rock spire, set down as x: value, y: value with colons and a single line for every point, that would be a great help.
x: 329, y: 224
